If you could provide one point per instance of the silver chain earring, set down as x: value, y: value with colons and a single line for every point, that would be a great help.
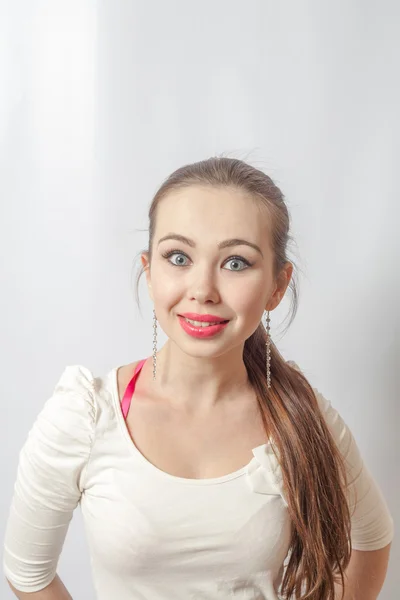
x: 268, y: 351
x: 154, y: 344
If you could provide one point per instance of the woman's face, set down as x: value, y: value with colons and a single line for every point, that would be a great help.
x: 220, y: 265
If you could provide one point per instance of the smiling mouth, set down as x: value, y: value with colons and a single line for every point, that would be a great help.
x: 204, y: 323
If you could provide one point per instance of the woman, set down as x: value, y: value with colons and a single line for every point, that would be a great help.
x: 211, y: 469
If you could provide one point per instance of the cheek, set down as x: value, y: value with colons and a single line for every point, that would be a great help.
x: 248, y: 294
x: 248, y: 301
x: 166, y: 287
x: 248, y: 306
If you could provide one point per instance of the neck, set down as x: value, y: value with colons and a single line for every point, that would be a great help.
x: 199, y: 382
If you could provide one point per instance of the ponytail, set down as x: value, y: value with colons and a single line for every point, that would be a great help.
x: 313, y: 474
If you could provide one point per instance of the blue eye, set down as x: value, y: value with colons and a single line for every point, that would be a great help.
x: 236, y: 260
x: 179, y: 263
x: 180, y: 260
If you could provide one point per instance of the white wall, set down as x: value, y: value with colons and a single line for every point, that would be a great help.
x: 99, y: 101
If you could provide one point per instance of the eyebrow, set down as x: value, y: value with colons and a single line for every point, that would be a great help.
x: 224, y: 244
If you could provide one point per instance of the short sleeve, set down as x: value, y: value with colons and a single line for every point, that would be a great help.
x: 50, y: 481
x: 372, y: 525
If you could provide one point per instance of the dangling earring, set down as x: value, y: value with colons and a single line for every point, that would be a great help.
x: 154, y: 344
x: 268, y: 352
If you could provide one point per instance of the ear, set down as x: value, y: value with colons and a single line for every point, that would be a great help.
x: 280, y: 287
x: 146, y: 266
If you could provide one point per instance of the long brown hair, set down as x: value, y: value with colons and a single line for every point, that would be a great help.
x: 313, y: 471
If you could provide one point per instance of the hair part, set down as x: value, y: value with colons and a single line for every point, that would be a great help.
x: 313, y: 471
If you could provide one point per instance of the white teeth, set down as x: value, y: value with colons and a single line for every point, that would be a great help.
x: 201, y: 323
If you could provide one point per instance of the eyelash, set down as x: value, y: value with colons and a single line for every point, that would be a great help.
x: 169, y: 253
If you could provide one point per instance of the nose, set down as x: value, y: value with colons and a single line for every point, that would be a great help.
x: 204, y: 288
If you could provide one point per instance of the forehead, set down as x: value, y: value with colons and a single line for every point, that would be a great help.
x: 206, y: 213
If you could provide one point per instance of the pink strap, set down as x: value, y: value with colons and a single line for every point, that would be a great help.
x: 126, y: 400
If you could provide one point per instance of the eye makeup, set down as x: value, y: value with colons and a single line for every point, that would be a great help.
x: 167, y: 254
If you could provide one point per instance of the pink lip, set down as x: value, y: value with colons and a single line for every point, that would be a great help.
x: 203, y: 318
x: 201, y: 332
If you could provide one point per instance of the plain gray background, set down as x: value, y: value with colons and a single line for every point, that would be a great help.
x: 102, y: 100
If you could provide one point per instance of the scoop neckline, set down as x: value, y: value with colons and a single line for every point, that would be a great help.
x: 150, y: 466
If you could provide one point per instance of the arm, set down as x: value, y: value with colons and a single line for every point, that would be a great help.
x: 372, y: 525
x: 50, y: 480
x: 365, y: 575
x: 55, y: 591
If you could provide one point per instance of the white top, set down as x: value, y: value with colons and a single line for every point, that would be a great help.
x: 151, y: 534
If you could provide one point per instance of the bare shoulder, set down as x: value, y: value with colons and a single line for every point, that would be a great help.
x: 124, y: 375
